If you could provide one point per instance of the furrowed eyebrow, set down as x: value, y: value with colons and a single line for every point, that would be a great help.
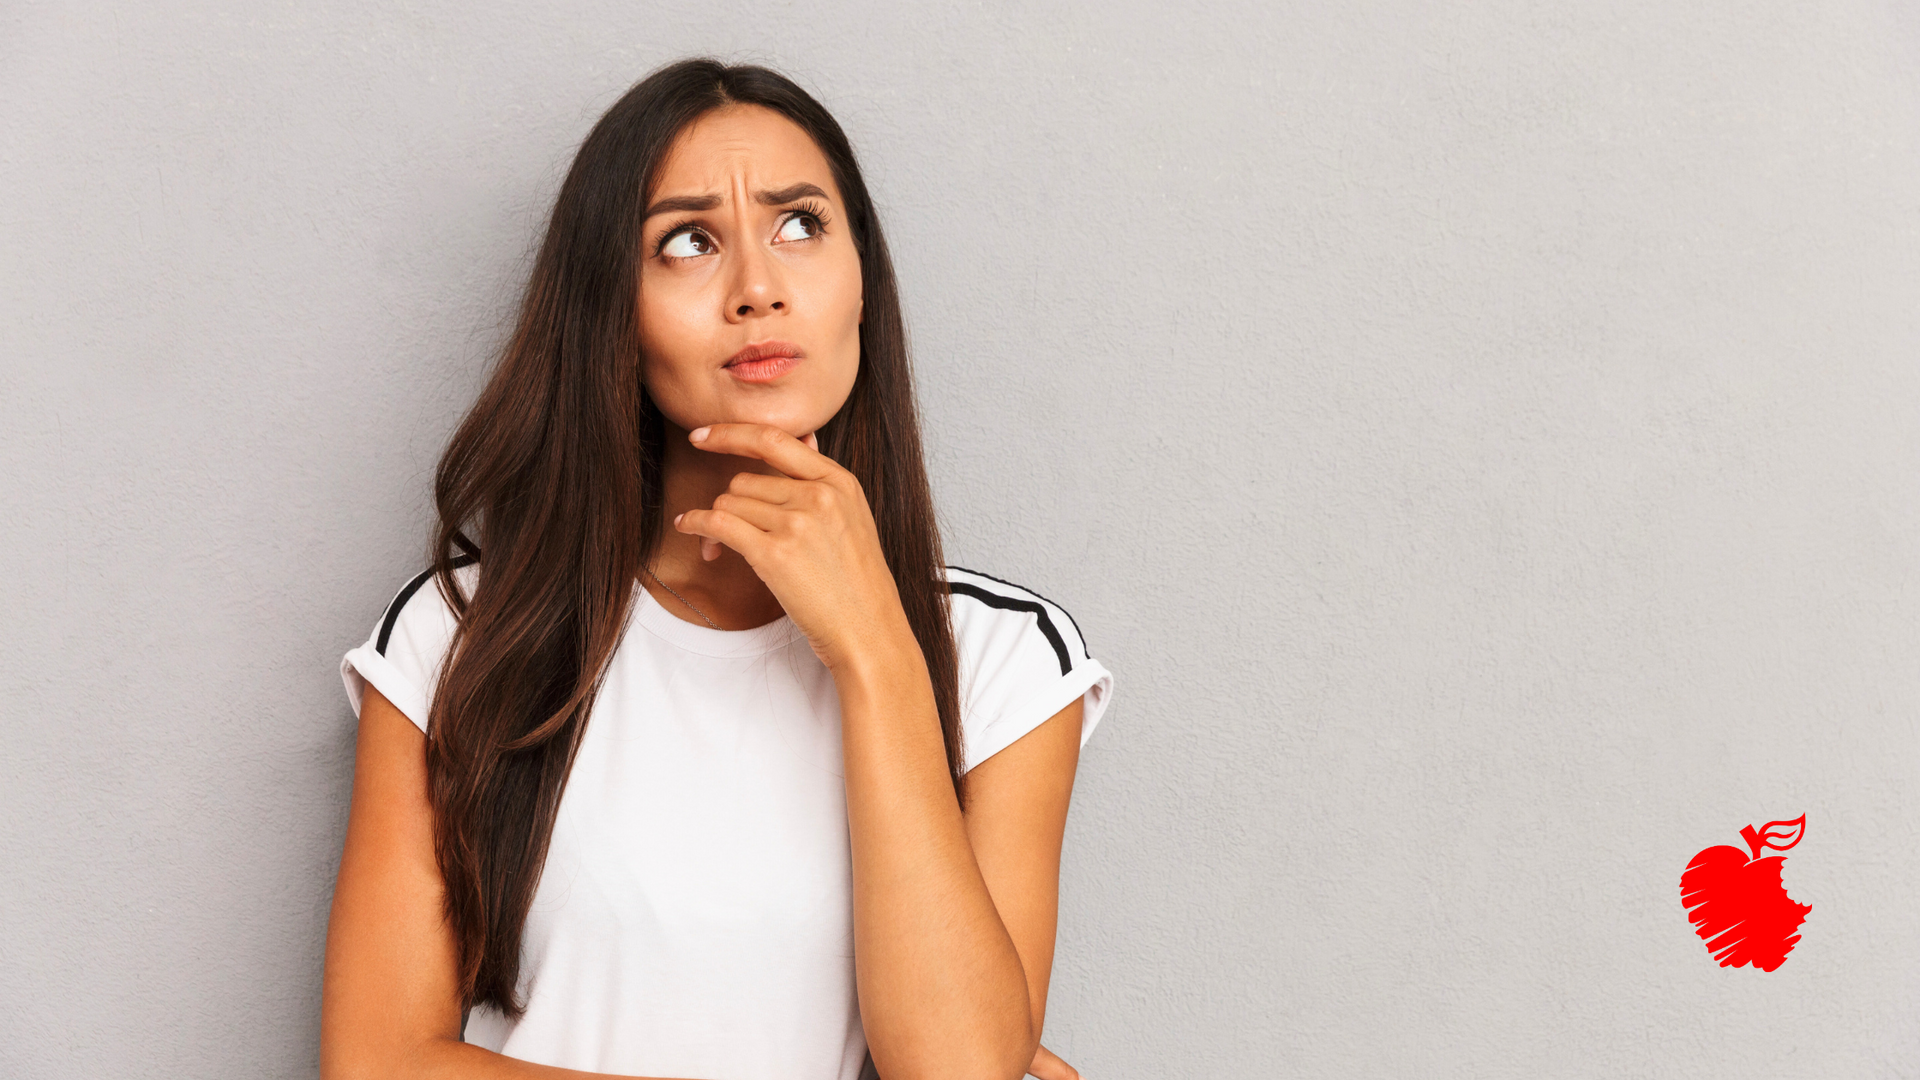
x: 792, y: 193
x: 683, y: 203
x: 693, y: 203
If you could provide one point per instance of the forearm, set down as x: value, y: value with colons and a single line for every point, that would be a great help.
x: 942, y: 990
x: 941, y: 987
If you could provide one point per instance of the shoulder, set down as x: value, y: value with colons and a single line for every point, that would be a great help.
x: 986, y: 608
x: 402, y: 655
x: 419, y: 613
x: 1022, y: 659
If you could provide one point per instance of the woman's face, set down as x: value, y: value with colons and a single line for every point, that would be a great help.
x: 750, y: 293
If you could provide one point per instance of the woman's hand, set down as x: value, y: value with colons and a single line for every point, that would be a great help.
x: 808, y: 534
x: 1048, y: 1066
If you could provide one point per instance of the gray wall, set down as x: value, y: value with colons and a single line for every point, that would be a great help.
x: 1482, y: 439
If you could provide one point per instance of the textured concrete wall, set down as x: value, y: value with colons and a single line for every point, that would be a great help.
x: 1482, y: 439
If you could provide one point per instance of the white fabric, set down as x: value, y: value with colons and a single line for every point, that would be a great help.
x: 694, y: 917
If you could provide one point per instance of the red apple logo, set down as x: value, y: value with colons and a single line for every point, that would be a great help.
x: 1738, y: 905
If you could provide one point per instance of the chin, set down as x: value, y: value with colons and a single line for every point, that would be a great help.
x: 797, y: 407
x: 797, y: 422
x: 796, y: 410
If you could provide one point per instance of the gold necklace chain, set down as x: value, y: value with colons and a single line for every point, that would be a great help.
x: 682, y: 599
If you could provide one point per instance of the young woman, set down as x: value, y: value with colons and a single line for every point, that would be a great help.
x: 688, y: 757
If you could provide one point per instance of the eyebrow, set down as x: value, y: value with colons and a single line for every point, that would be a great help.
x: 689, y: 203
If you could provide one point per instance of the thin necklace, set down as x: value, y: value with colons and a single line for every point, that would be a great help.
x: 682, y: 599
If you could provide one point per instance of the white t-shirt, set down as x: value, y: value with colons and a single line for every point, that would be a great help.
x: 695, y: 914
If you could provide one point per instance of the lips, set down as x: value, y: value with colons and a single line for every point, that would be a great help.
x: 763, y: 362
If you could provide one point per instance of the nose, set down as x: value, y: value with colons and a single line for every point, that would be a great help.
x: 759, y: 286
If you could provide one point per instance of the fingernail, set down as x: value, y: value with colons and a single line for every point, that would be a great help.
x: 698, y: 434
x: 677, y: 517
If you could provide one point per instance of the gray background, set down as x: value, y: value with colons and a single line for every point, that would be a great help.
x: 1481, y: 438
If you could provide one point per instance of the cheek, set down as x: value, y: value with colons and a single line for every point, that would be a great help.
x: 670, y: 336
x: 844, y: 301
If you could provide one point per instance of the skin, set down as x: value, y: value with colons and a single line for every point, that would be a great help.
x: 954, y: 913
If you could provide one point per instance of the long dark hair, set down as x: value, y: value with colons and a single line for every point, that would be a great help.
x: 553, y: 485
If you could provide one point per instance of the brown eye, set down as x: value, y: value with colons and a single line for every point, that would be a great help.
x: 687, y: 244
x: 799, y: 227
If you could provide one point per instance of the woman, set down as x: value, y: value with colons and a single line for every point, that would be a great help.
x: 687, y: 757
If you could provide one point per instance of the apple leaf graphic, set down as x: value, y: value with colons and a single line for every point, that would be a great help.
x: 1737, y: 902
x: 1771, y: 837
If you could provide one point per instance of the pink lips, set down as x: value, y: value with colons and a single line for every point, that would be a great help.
x: 763, y: 362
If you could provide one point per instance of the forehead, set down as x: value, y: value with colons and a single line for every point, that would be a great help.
x: 738, y: 143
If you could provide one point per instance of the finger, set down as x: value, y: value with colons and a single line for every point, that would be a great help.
x: 725, y: 528
x: 1048, y: 1066
x: 765, y: 443
x: 778, y: 490
x: 764, y: 516
x: 812, y: 443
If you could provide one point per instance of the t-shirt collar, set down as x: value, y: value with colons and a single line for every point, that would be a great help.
x: 705, y: 640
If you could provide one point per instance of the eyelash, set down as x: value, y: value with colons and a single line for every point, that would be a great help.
x: 806, y: 209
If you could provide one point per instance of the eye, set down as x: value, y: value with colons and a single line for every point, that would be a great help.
x: 686, y: 244
x: 801, y: 226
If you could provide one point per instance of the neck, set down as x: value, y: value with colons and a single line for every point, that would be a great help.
x: 726, y: 589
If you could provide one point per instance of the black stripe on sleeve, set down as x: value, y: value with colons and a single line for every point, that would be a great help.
x: 406, y: 594
x: 1008, y: 603
x: 1023, y: 588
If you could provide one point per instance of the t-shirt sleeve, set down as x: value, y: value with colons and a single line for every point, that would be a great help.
x: 402, y: 657
x: 1022, y: 660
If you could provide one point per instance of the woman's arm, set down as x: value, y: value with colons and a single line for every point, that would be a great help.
x: 953, y: 914
x: 1016, y: 818
x: 389, y: 1002
x: 1012, y: 829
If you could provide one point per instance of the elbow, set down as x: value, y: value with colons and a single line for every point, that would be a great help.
x: 1001, y: 1056
x: 992, y: 1036
x: 1009, y: 1065
x: 1025, y: 1047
